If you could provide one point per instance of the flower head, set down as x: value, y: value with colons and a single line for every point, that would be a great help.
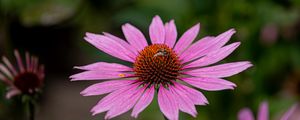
x: 263, y: 113
x: 23, y: 79
x: 161, y: 66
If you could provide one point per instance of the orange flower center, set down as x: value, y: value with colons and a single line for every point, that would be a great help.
x: 157, y: 64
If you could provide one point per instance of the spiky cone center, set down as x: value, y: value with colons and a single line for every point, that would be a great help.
x: 157, y: 64
x: 27, y: 82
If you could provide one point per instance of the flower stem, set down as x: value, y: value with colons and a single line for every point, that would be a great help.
x: 31, y: 110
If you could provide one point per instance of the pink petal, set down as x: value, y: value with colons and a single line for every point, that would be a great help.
x: 157, y: 31
x: 41, y: 72
x: 28, y: 61
x: 12, y: 92
x: 5, y: 79
x: 104, y: 66
x: 19, y: 61
x: 185, y: 103
x: 214, y: 56
x: 108, y: 101
x: 171, y: 33
x: 263, y: 112
x: 187, y: 38
x: 167, y: 103
x: 196, y: 50
x: 9, y: 65
x: 143, y: 102
x: 123, y: 43
x: 125, y: 103
x: 210, y: 84
x: 134, y: 36
x: 197, y: 97
x: 99, y: 75
x: 110, y: 46
x: 220, y: 71
x: 245, y: 114
x: 289, y: 113
x: 202, y: 48
x: 6, y: 72
x: 105, y: 87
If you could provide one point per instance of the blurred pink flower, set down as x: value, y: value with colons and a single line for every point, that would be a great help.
x: 23, y: 79
x: 163, y: 66
x: 263, y: 113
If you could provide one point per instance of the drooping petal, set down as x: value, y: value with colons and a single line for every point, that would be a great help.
x: 289, y: 113
x: 214, y: 56
x: 167, y: 103
x: 5, y: 79
x: 105, y: 87
x: 143, y: 102
x: 99, y: 75
x: 184, y: 102
x: 245, y: 114
x: 123, y: 43
x: 171, y: 34
x: 104, y: 66
x: 208, y: 44
x: 108, y: 101
x: 134, y: 36
x: 12, y: 92
x: 6, y: 72
x: 187, y: 38
x: 157, y: 31
x: 263, y: 112
x: 196, y: 96
x: 19, y: 61
x: 125, y: 103
x: 210, y: 84
x: 220, y: 71
x: 109, y: 46
x: 9, y: 65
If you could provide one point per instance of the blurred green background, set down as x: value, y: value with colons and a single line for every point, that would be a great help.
x: 53, y: 30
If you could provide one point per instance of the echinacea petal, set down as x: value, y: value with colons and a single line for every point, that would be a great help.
x: 220, y: 71
x: 214, y: 56
x: 104, y: 66
x: 12, y: 92
x: 184, y: 102
x: 196, y: 96
x: 134, y: 36
x: 167, y: 103
x: 157, y: 31
x: 105, y: 87
x: 171, y: 33
x: 109, y: 46
x: 5, y: 79
x: 204, y: 47
x: 123, y: 43
x: 108, y: 101
x: 99, y: 75
x: 289, y: 113
x: 210, y: 84
x: 9, y: 65
x: 5, y: 71
x: 245, y: 114
x: 19, y: 61
x: 263, y: 111
x: 187, y: 38
x: 143, y: 102
x: 125, y: 103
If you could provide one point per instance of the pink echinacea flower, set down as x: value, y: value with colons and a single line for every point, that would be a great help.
x: 263, y: 113
x: 163, y: 66
x: 25, y: 78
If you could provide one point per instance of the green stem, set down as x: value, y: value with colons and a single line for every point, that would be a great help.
x: 31, y: 110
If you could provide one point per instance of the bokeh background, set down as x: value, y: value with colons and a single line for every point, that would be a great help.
x: 54, y: 29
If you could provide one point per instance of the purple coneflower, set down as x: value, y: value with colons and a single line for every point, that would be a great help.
x: 263, y: 113
x: 25, y: 78
x: 163, y: 66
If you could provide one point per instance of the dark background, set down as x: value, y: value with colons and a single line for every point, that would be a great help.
x: 54, y: 30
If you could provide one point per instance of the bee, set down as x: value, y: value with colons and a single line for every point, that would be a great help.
x: 161, y: 52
